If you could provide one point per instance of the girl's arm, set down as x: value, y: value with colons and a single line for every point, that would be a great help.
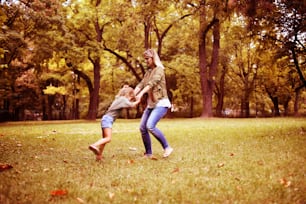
x: 135, y: 103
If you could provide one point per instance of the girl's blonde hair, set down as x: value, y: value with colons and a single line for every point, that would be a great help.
x: 127, y: 92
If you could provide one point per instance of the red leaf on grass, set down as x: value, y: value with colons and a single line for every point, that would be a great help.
x: 261, y: 163
x: 5, y: 167
x: 285, y: 182
x: 59, y: 192
x: 131, y: 161
x: 175, y: 170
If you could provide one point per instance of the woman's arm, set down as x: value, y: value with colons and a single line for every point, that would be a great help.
x: 143, y: 91
x: 136, y: 90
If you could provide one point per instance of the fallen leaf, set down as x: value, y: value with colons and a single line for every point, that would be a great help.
x: 132, y: 148
x: 285, y: 182
x: 59, y: 192
x: 175, y: 170
x: 131, y: 161
x: 18, y: 172
x: 153, y: 158
x: 5, y: 167
x: 239, y: 188
x: 111, y: 195
x: 237, y: 179
x: 261, y: 163
x: 80, y: 200
x: 232, y: 154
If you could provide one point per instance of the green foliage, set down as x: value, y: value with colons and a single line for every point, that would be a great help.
x: 51, y: 90
x: 233, y: 161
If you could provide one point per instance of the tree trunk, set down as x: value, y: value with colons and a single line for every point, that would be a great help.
x: 147, y: 29
x: 220, y: 94
x: 245, y: 103
x: 44, y: 109
x: 94, y: 93
x: 76, y: 103
x: 208, y: 72
x: 203, y: 63
x: 51, y: 99
x: 63, y: 109
x: 275, y: 105
x: 191, y: 106
x: 296, y: 102
x: 245, y: 108
x: 298, y: 69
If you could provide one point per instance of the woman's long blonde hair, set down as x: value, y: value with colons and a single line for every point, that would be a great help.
x: 153, y: 54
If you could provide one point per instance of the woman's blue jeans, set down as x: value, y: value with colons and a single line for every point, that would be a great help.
x: 149, y: 119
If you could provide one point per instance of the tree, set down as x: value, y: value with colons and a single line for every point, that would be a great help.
x: 87, y: 27
x: 291, y: 23
x: 208, y: 70
x: 247, y: 60
x: 12, y: 47
x: 288, y: 25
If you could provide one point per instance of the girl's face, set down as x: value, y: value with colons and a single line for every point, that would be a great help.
x: 150, y: 62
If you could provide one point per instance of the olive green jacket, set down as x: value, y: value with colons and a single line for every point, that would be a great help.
x: 156, y: 80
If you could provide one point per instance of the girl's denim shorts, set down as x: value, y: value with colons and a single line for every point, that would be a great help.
x: 107, y: 121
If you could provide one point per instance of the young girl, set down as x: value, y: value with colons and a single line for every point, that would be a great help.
x: 124, y: 99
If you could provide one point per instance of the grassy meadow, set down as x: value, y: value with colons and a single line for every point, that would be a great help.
x: 214, y: 161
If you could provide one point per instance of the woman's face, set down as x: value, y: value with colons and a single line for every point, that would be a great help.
x: 150, y: 62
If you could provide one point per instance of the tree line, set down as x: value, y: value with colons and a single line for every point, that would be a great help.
x: 66, y: 59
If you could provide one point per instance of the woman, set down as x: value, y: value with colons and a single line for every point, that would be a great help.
x: 153, y: 83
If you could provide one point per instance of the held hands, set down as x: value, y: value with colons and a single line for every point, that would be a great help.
x: 139, y: 93
x: 138, y: 99
x: 135, y: 103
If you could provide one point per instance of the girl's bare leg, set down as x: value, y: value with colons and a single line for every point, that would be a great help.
x: 107, y: 136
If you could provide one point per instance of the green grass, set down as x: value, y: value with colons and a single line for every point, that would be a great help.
x: 214, y: 161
